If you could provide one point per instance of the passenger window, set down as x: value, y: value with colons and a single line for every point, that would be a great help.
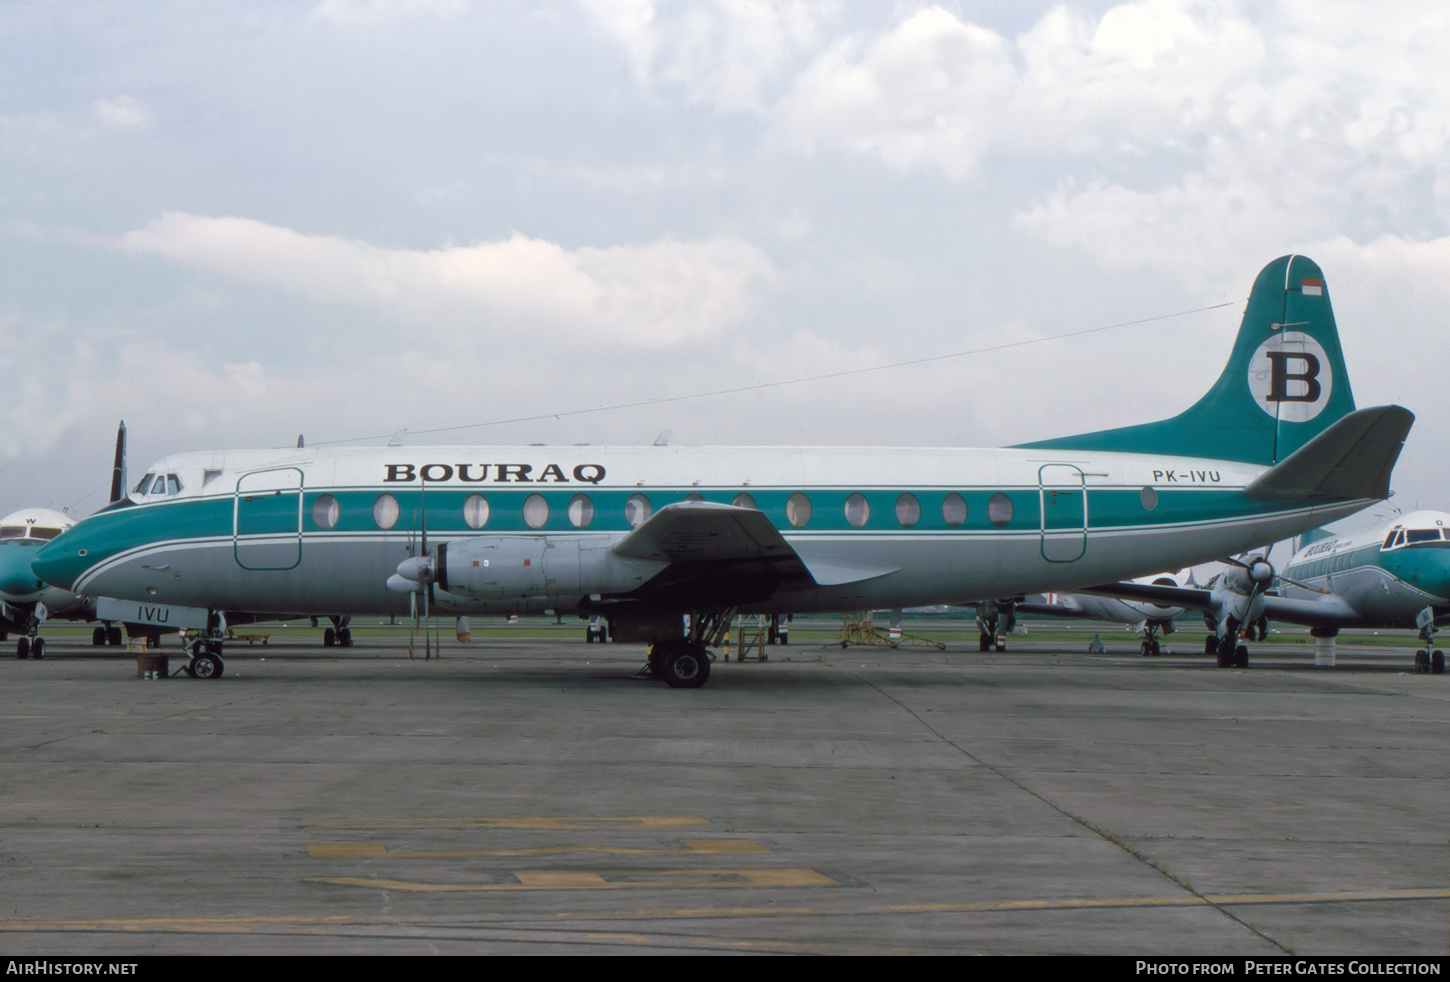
x: 743, y: 500
x: 1149, y: 498
x: 536, y: 511
x: 475, y: 511
x: 385, y: 511
x: 636, y: 510
x: 999, y: 510
x: 908, y: 510
x: 581, y: 511
x: 692, y: 496
x: 798, y: 510
x: 954, y: 510
x: 857, y: 510
x: 325, y: 511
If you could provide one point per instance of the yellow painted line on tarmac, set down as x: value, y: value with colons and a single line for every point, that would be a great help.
x: 376, y: 850
x: 623, y: 823
x: 326, y: 925
x: 534, y: 880
x: 1207, y: 900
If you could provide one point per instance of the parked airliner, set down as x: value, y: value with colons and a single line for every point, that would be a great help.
x: 1394, y: 574
x: 647, y: 535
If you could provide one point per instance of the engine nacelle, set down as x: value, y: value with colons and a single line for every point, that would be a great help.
x: 507, y: 566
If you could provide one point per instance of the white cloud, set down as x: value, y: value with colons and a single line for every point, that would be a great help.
x: 378, y: 11
x: 723, y: 52
x: 122, y: 112
x: 927, y: 92
x: 651, y: 295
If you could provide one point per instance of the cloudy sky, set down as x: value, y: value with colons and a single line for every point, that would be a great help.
x: 230, y: 224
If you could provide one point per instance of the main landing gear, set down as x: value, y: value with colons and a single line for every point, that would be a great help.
x: 994, y: 619
x: 28, y: 646
x: 339, y: 634
x: 684, y: 662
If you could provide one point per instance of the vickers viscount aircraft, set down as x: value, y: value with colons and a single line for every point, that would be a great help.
x: 1395, y: 574
x: 647, y: 535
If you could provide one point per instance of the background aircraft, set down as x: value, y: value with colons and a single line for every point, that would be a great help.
x: 647, y: 535
x: 1393, y: 574
x: 1141, y: 615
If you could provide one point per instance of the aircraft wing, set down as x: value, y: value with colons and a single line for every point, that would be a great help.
x: 1190, y: 598
x: 1052, y: 610
x: 709, y: 532
x: 704, y: 531
x: 1327, y: 611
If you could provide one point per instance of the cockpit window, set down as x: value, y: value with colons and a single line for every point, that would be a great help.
x: 1423, y: 535
x: 160, y: 486
x: 173, y: 484
x: 12, y: 532
x: 144, y: 486
x: 36, y: 532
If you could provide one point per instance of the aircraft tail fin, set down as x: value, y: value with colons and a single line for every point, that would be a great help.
x: 118, y: 467
x: 1285, y: 382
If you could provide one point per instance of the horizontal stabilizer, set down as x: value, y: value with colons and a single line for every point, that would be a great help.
x: 704, y: 531
x: 1352, y: 459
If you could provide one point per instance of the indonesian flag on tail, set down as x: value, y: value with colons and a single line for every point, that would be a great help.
x: 1312, y: 288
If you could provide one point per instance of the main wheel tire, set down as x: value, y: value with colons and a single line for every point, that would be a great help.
x: 329, y: 638
x: 22, y: 648
x: 1226, y: 654
x: 344, y: 637
x: 1422, y: 662
x: 98, y: 636
x: 687, y: 667
x: 37, y: 649
x: 113, y: 637
x: 1241, y: 656
x: 1157, y: 649
x: 1437, y: 663
x: 1210, y: 644
x: 1144, y: 649
x: 205, y: 666
x: 984, y: 641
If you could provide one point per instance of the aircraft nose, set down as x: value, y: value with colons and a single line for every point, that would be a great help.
x: 55, y: 564
x: 17, y: 579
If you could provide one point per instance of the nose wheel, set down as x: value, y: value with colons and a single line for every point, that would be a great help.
x: 206, y: 660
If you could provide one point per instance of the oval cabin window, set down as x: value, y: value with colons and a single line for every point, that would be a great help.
x: 475, y: 511
x: 798, y: 510
x: 385, y: 511
x: 325, y: 511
